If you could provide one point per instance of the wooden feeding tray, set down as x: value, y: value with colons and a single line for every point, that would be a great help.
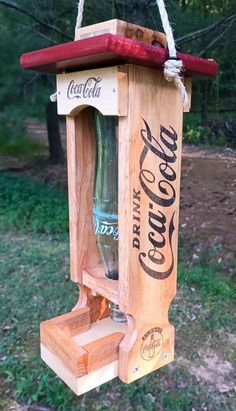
x: 74, y: 348
x: 83, y: 355
x: 121, y: 77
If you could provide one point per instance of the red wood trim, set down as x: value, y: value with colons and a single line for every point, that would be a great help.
x: 108, y: 49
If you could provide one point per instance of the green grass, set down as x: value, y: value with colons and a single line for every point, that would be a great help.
x: 34, y: 278
x: 28, y: 206
x: 208, y: 279
x: 35, y: 286
x: 13, y: 139
x: 22, y: 148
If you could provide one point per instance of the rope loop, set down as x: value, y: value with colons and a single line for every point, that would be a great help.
x: 53, y: 97
x: 173, y: 66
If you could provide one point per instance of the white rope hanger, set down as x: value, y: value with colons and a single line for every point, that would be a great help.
x: 173, y: 66
x: 80, y: 14
x: 53, y: 97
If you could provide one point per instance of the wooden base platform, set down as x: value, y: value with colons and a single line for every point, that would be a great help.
x: 83, y: 384
x: 98, y: 362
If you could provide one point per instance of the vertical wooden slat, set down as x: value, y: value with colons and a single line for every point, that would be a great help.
x: 81, y: 160
x: 149, y: 178
x: 188, y: 87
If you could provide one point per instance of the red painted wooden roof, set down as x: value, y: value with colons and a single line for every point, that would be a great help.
x: 109, y: 49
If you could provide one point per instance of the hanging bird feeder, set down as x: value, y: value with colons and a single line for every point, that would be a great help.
x: 124, y: 132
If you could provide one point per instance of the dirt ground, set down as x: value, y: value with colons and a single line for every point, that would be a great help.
x: 208, y: 202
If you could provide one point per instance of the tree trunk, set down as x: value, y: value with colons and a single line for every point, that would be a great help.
x: 54, y: 137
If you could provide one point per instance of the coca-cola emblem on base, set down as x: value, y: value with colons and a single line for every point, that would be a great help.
x: 152, y: 344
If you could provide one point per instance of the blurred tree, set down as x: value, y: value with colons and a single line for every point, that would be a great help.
x: 201, y: 27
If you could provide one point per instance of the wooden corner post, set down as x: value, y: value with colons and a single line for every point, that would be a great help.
x: 121, y: 77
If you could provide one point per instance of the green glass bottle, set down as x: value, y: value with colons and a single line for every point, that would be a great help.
x: 105, y: 205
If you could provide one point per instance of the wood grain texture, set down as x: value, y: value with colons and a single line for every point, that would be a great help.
x: 98, y: 88
x: 86, y: 350
x: 74, y: 322
x: 98, y: 330
x: 188, y: 88
x: 61, y: 345
x: 122, y: 28
x: 96, y: 281
x: 98, y: 305
x: 103, y: 351
x: 149, y: 179
x: 109, y: 49
x: 80, y: 163
x: 85, y: 383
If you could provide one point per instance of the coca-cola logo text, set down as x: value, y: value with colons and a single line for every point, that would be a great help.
x: 158, y: 186
x: 91, y: 88
x: 105, y: 227
x: 152, y: 343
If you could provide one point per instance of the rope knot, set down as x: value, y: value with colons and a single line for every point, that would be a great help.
x: 172, y: 70
x: 173, y: 66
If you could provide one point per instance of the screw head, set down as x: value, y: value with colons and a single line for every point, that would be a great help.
x: 165, y: 356
x: 136, y: 369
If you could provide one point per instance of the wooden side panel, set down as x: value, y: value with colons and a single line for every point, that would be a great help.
x: 81, y: 160
x: 149, y: 179
x: 82, y: 384
x: 64, y: 348
x: 122, y: 28
x: 188, y: 87
x: 103, y: 351
x: 74, y: 322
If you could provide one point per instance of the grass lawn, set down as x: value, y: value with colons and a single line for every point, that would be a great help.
x: 35, y: 285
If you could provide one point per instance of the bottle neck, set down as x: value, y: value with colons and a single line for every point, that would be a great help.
x: 106, y: 171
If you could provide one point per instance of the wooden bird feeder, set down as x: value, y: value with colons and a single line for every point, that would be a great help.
x: 116, y: 67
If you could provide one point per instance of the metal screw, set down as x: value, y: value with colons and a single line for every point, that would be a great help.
x: 165, y: 356
x: 136, y: 369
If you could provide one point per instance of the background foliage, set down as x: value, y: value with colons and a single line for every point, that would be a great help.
x: 201, y: 27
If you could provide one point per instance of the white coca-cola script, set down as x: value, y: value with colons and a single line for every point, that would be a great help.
x: 105, y: 227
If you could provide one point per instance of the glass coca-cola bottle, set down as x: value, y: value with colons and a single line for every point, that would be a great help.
x: 105, y: 205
